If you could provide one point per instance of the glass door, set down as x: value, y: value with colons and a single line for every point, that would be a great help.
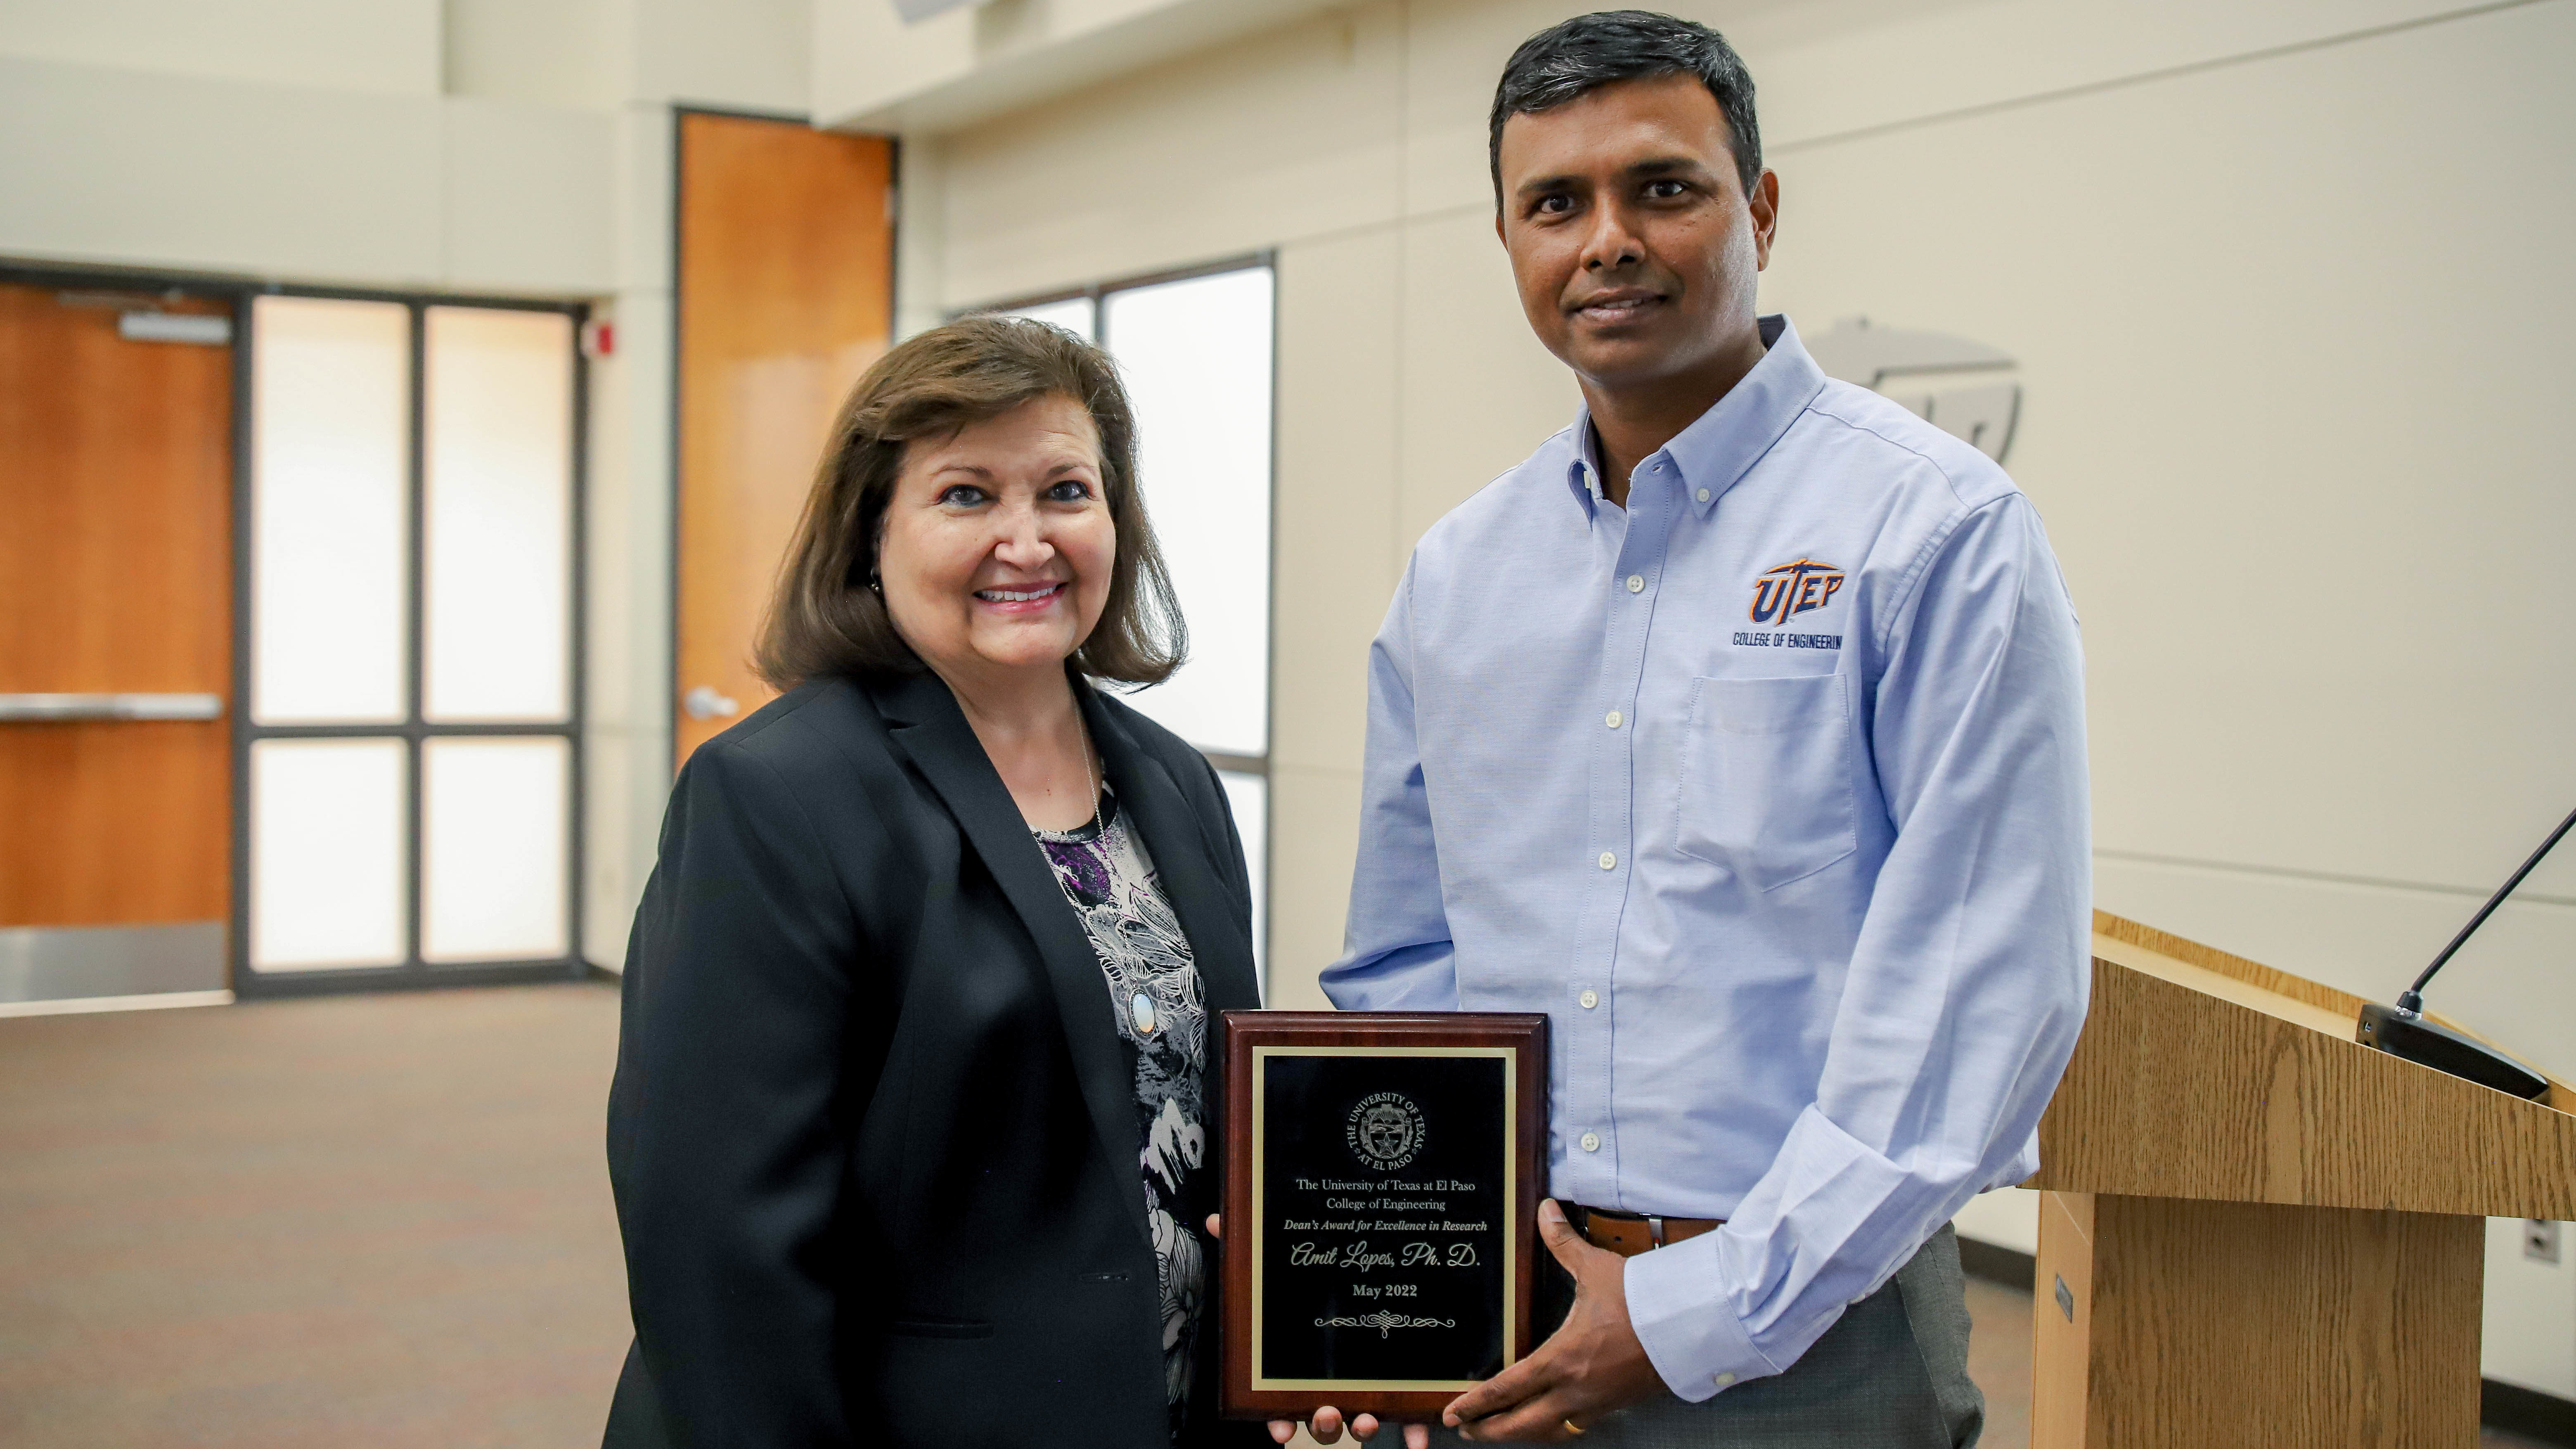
x: 411, y: 743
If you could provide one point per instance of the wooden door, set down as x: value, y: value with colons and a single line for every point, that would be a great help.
x: 786, y: 268
x: 115, y: 580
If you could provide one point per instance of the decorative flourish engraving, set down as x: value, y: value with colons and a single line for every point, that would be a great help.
x: 1384, y: 1322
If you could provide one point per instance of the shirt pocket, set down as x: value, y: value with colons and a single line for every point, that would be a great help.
x: 1766, y: 776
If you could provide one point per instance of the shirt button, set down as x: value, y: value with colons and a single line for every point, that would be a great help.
x: 1723, y: 1379
x: 1609, y: 861
x: 1636, y: 583
x: 1590, y: 999
x: 1591, y: 1141
x: 1703, y: 495
x: 1611, y: 719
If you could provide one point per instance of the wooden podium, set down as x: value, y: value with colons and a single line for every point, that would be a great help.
x: 2255, y: 1231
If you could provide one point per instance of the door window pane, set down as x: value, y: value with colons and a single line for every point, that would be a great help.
x: 330, y: 451
x: 1196, y: 355
x: 492, y: 849
x: 327, y: 860
x: 497, y: 515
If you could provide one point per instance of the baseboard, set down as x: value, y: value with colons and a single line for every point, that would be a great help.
x: 2007, y: 1266
x: 2528, y: 1412
x: 148, y: 1001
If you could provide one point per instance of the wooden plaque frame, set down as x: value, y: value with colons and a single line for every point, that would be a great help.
x: 1521, y: 1040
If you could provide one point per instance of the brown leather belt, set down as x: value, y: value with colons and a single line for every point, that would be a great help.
x: 1628, y: 1234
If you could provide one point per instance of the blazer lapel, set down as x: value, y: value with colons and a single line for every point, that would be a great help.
x: 1194, y: 880
x: 925, y: 723
x: 1185, y: 858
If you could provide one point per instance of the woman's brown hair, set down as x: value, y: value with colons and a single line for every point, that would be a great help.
x: 824, y: 619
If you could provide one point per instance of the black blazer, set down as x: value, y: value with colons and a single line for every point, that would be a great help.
x: 873, y: 1136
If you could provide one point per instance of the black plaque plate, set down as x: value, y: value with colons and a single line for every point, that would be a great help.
x: 1381, y: 1180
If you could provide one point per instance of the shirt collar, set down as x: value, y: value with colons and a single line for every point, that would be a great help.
x: 1723, y: 443
x: 1583, y: 472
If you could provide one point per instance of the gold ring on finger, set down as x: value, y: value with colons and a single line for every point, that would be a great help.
x: 1574, y: 1428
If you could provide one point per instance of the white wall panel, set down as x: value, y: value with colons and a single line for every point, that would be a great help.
x: 1833, y: 69
x: 576, y: 53
x: 921, y: 235
x: 528, y: 199
x: 873, y: 70
x: 751, y: 54
x: 2530, y: 1318
x: 367, y: 45
x: 138, y: 168
x: 2008, y: 1217
x: 647, y: 170
x: 2280, y: 422
x: 626, y: 712
x: 1479, y: 392
x: 1306, y: 130
x: 1339, y: 407
x: 1248, y: 797
x: 163, y: 170
x: 1314, y: 836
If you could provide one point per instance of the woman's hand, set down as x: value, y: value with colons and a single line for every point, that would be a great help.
x: 1327, y: 1428
x: 1326, y: 1425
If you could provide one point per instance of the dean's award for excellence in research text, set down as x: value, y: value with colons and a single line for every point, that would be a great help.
x: 1382, y: 1187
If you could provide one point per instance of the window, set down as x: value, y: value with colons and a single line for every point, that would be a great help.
x: 411, y: 742
x: 1195, y: 350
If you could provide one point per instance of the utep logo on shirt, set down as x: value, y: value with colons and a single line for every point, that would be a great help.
x: 1784, y: 593
x: 1792, y: 589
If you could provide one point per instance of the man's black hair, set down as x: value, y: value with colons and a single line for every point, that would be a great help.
x: 1588, y: 52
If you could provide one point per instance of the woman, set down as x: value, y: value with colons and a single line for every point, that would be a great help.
x: 915, y: 1106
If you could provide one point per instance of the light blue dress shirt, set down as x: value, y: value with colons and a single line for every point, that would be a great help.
x: 1769, y: 789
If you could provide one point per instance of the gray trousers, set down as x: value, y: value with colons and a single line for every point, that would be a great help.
x: 1892, y: 1373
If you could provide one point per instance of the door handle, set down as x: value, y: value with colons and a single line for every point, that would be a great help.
x: 704, y: 703
x: 57, y: 708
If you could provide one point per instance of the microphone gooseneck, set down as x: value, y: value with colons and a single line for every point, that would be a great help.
x: 2404, y: 1031
x: 2411, y: 1000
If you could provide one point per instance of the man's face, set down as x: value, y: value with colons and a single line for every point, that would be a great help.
x: 1633, y: 243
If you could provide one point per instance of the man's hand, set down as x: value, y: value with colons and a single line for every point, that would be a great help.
x: 1592, y: 1365
x: 1327, y: 1423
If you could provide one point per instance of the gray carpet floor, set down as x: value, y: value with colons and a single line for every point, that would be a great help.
x: 362, y: 1220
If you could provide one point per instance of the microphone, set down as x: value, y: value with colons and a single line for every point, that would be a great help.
x: 2404, y: 1031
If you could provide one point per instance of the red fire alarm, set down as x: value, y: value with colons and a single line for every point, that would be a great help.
x: 599, y: 338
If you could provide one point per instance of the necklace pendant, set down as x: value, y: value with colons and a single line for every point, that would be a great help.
x: 1141, y: 1011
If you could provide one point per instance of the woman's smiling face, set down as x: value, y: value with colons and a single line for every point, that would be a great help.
x: 997, y: 545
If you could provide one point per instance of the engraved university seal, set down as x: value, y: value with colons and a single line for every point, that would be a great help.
x: 1384, y: 1131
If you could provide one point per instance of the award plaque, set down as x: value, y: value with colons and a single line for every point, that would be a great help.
x: 1382, y: 1184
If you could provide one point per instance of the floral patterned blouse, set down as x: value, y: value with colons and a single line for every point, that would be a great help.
x: 1160, y: 1012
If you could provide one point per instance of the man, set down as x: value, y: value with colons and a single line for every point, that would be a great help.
x: 1740, y: 730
